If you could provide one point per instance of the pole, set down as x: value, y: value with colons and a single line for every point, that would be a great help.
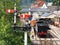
x: 15, y: 14
x: 25, y: 38
x: 29, y: 11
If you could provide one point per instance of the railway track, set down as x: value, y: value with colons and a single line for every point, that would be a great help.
x: 47, y: 41
x: 55, y: 40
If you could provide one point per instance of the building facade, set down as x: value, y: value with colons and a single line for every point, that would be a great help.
x: 29, y: 2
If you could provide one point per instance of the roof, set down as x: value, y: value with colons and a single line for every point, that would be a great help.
x: 46, y: 14
x: 25, y: 10
x: 51, y: 15
x: 57, y: 13
x: 35, y: 10
x: 39, y: 9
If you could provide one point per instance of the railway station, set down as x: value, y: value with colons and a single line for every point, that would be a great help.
x: 39, y: 21
x: 44, y: 24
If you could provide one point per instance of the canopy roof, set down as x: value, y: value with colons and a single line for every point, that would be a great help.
x: 47, y: 12
x: 48, y: 16
x: 35, y: 10
x: 57, y: 13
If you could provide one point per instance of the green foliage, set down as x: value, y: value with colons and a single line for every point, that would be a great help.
x: 56, y: 2
x: 7, y: 35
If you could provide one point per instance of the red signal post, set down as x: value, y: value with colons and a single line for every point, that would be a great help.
x: 26, y: 16
x: 10, y: 11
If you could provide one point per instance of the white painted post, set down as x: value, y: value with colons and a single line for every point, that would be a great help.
x: 29, y: 11
x: 25, y: 38
x: 15, y: 13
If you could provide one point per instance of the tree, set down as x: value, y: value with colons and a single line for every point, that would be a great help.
x: 7, y: 35
x: 56, y: 3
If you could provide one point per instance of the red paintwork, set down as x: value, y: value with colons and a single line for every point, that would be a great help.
x: 11, y: 11
x: 26, y: 16
x: 42, y: 33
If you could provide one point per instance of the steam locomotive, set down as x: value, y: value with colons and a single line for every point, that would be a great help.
x: 43, y: 26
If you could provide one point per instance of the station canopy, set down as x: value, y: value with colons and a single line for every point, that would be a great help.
x: 57, y: 13
x: 48, y: 16
x: 46, y: 12
x: 35, y: 10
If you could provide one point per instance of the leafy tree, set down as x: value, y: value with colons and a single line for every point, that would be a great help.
x: 56, y: 3
x: 7, y: 35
